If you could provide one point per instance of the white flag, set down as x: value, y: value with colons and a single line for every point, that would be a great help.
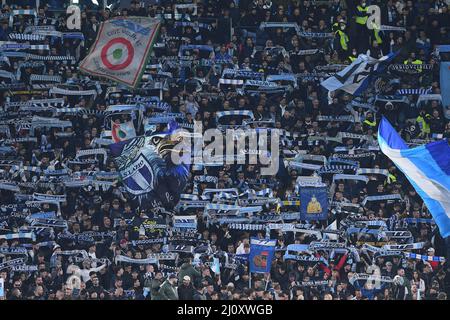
x: 121, y: 49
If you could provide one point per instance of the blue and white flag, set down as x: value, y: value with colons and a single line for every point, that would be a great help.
x: 261, y: 255
x: 427, y: 168
x: 135, y: 162
x: 355, y: 78
x: 445, y: 84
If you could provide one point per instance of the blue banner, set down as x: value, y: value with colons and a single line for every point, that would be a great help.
x: 445, y: 85
x: 261, y: 255
x: 313, y: 203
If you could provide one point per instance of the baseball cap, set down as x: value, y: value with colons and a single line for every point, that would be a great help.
x: 172, y: 276
x: 187, y: 278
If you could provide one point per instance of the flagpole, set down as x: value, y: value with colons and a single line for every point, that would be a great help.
x: 267, y: 282
x: 250, y: 281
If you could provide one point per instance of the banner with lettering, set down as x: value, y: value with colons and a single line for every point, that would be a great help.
x: 121, y: 49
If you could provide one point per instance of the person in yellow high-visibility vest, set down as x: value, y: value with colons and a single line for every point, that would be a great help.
x: 353, y: 56
x: 376, y: 34
x: 342, y: 39
x: 370, y: 122
x: 362, y: 34
x: 413, y: 60
x: 423, y: 122
x: 391, y: 178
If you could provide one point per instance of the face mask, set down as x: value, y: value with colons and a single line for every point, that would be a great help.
x: 363, y: 4
x: 342, y: 27
x: 354, y: 53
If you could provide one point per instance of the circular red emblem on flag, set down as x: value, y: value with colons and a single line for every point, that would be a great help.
x: 117, y: 54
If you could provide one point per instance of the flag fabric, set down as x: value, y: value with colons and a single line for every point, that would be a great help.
x: 2, y: 287
x: 122, y: 131
x: 332, y: 227
x: 355, y: 78
x: 313, y: 203
x: 121, y: 49
x: 445, y: 86
x: 261, y: 255
x: 137, y: 164
x: 215, y: 267
x: 427, y: 168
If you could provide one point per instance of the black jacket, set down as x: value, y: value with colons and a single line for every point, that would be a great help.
x: 186, y: 293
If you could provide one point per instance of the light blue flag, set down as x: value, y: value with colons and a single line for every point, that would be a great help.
x: 216, y: 266
x: 2, y: 288
x: 427, y: 168
x: 445, y: 87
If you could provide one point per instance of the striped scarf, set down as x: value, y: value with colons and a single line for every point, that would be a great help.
x: 401, y: 247
x: 370, y: 277
x: 126, y: 259
x: 91, y: 152
x: 20, y: 235
x: 382, y: 198
x: 332, y: 67
x: 148, y: 242
x: 49, y: 197
x: 30, y: 12
x: 383, y: 172
x: 305, y: 34
x: 236, y: 82
x: 13, y: 251
x: 248, y: 227
x: 56, y: 90
x: 304, y: 52
x: 45, y: 78
x: 392, y: 28
x: 30, y: 56
x: 340, y: 168
x: 194, y: 25
x: 23, y: 46
x: 349, y: 135
x: 33, y: 29
x: 348, y: 118
x: 6, y: 74
x: 407, y: 92
x: 242, y: 73
x: 10, y: 186
x: 419, y: 220
x: 410, y: 255
x: 24, y: 268
x: 46, y: 102
x: 11, y: 263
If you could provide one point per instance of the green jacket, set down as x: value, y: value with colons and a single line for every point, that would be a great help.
x: 168, y: 292
x: 188, y: 270
x: 155, y: 290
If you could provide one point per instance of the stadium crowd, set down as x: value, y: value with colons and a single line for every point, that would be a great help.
x: 98, y: 243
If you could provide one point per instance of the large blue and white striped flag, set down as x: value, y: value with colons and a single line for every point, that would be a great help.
x: 355, y: 78
x: 427, y: 168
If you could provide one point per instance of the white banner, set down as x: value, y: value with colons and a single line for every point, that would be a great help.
x: 121, y: 49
